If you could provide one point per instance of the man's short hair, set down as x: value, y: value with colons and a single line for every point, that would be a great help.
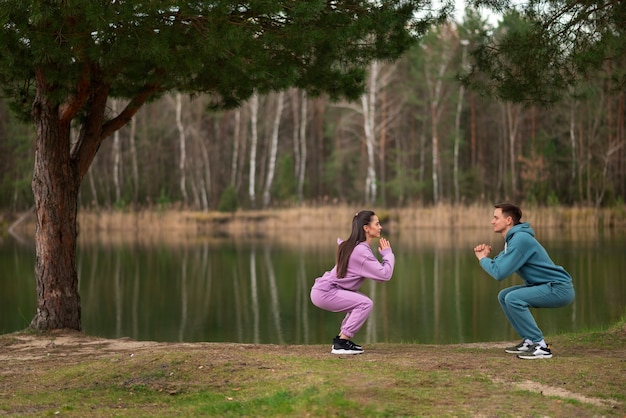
x: 509, y: 209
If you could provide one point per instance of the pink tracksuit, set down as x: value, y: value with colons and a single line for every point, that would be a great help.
x: 341, y: 294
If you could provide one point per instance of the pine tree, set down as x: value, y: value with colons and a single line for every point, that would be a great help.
x: 63, y: 60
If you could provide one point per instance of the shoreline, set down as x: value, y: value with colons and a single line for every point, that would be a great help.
x: 302, y: 224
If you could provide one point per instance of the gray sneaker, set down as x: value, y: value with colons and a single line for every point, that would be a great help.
x: 523, y: 347
x: 537, y: 352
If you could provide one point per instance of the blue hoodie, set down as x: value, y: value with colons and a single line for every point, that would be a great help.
x: 524, y: 255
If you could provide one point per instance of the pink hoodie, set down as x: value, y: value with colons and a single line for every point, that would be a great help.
x: 361, y: 266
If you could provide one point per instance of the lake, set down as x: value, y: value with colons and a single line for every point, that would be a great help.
x: 257, y: 291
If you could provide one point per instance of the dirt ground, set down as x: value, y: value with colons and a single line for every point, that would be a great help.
x: 22, y: 348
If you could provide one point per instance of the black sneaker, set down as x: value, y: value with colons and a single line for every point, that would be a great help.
x: 358, y: 347
x: 341, y: 346
x: 537, y: 352
x: 523, y: 347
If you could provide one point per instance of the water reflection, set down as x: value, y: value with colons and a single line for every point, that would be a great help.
x: 258, y: 291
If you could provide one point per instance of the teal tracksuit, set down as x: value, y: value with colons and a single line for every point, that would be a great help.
x: 546, y: 285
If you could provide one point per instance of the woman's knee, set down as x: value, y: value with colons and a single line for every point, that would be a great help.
x: 366, y: 305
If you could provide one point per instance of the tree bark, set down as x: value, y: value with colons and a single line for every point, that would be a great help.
x: 55, y: 185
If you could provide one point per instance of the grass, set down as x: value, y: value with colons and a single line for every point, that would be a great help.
x: 74, y: 375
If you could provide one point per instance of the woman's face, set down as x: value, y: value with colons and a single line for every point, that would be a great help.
x: 373, y: 229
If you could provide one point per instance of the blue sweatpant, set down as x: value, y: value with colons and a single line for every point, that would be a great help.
x: 516, y: 302
x: 356, y: 305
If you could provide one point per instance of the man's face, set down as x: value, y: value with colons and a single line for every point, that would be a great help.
x: 500, y: 223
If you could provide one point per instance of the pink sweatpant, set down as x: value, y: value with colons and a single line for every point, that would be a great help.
x: 356, y: 305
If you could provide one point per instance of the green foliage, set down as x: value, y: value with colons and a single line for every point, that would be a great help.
x: 229, y: 202
x: 470, y: 186
x: 341, y: 176
x: 223, y: 48
x: 542, y: 48
x: 284, y: 186
x: 121, y: 204
x: 553, y: 199
x: 404, y: 185
x: 164, y: 199
x: 16, y: 162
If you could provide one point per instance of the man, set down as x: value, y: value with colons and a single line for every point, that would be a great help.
x: 546, y: 285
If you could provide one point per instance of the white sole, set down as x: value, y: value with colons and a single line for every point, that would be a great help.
x: 531, y: 357
x: 333, y: 351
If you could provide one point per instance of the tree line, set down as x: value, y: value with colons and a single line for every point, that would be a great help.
x: 416, y: 135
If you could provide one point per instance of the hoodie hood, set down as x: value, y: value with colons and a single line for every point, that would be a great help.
x: 522, y: 228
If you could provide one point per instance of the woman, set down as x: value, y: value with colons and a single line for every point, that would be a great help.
x: 337, y: 290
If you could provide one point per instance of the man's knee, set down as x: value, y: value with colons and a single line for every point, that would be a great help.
x: 514, y: 300
x: 502, y: 296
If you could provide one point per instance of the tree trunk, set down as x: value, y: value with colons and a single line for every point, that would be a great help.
x: 133, y: 157
x: 436, y: 94
x: 302, y: 146
x: 60, y: 165
x: 204, y: 174
x: 457, y: 126
x: 295, y: 115
x: 273, y: 150
x: 254, y: 114
x: 513, y: 118
x: 183, y: 150
x: 235, y: 159
x: 55, y: 186
x: 117, y: 157
x: 382, y: 146
x: 368, y: 104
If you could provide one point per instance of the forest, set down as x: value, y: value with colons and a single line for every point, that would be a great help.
x: 417, y: 136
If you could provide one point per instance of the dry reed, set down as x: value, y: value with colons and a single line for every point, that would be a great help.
x: 443, y: 225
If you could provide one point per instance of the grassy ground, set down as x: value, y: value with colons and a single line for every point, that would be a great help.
x: 74, y: 375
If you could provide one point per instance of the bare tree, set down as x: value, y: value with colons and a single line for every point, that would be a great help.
x: 133, y: 157
x: 438, y: 55
x: 235, y: 158
x: 116, y: 158
x: 513, y: 114
x: 368, y: 106
x: 182, y: 142
x: 254, y: 139
x: 300, y: 144
x: 457, y: 125
x: 280, y: 101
